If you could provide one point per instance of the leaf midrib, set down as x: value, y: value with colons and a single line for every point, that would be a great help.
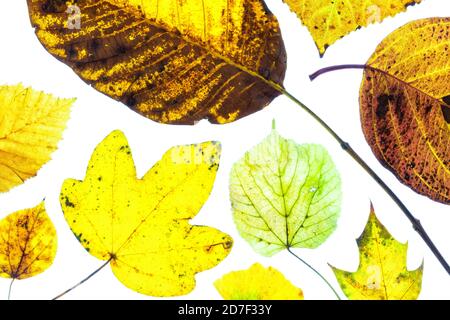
x: 205, y: 47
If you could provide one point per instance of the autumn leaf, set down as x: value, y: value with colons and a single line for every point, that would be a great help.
x: 382, y: 273
x: 257, y: 283
x: 171, y: 61
x: 28, y: 243
x: 285, y: 195
x: 142, y: 225
x: 405, y: 106
x: 31, y: 125
x: 331, y: 20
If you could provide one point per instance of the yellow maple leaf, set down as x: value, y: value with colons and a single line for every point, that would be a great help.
x: 330, y: 20
x: 382, y: 273
x: 27, y: 243
x: 31, y: 125
x: 257, y: 283
x: 141, y: 226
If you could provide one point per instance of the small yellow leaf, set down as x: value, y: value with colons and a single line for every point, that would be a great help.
x: 28, y: 243
x: 31, y: 125
x: 142, y: 225
x: 257, y: 283
x: 330, y: 20
x: 382, y: 273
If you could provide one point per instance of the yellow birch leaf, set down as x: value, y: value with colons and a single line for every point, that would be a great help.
x: 382, y: 273
x: 173, y: 61
x: 257, y: 283
x: 330, y: 20
x: 31, y: 125
x: 27, y: 243
x: 142, y: 225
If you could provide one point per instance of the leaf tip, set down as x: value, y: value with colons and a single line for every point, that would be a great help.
x: 117, y: 134
x: 372, y: 209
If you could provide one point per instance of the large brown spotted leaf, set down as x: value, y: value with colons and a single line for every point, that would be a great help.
x: 405, y: 98
x: 173, y: 61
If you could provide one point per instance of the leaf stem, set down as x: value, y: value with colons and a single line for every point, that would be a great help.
x: 10, y: 287
x: 315, y: 271
x: 320, y: 72
x: 347, y: 148
x: 84, y: 280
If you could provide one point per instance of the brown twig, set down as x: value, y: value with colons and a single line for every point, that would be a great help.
x: 347, y: 148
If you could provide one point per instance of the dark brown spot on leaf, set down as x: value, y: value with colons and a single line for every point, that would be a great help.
x: 68, y: 203
x: 382, y: 105
x: 54, y: 6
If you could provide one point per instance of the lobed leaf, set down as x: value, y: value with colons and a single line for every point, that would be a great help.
x: 382, y: 273
x: 142, y: 225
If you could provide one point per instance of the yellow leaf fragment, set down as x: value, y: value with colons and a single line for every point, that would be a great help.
x: 330, y: 20
x: 257, y: 283
x: 27, y: 243
x: 382, y: 273
x: 31, y: 125
x: 142, y: 225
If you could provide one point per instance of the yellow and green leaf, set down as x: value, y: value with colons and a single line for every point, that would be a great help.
x: 142, y: 225
x: 285, y: 195
x: 382, y: 272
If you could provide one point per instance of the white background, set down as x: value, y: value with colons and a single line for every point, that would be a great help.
x: 334, y: 96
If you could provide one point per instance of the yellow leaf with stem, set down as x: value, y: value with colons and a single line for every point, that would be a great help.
x: 141, y: 226
x: 382, y: 273
x: 27, y: 243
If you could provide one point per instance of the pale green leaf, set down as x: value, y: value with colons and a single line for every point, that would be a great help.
x: 285, y: 195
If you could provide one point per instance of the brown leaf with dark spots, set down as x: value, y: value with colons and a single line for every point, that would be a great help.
x: 171, y: 61
x: 405, y: 106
